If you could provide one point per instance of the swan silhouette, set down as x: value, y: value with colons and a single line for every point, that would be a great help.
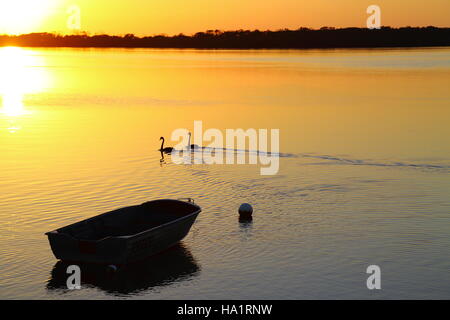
x: 191, y: 146
x: 165, y: 150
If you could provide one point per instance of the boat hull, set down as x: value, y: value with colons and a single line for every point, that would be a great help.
x: 78, y: 242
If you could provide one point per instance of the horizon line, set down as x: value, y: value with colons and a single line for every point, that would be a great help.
x: 323, y: 28
x: 301, y: 38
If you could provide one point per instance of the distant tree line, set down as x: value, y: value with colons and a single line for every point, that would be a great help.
x: 326, y: 37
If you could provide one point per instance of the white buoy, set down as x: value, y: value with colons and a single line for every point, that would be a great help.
x: 245, y: 211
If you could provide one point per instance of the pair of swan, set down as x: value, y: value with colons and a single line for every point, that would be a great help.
x: 170, y: 149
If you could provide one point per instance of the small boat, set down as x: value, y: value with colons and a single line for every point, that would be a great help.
x: 125, y: 235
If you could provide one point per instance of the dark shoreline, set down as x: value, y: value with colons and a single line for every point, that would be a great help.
x: 303, y: 38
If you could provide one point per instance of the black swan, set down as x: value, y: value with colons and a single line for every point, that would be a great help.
x: 165, y: 150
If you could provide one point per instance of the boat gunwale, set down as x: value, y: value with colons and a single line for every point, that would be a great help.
x: 56, y: 232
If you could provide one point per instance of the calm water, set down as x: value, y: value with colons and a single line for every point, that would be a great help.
x: 364, y: 179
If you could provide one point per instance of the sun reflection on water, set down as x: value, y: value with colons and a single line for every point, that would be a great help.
x: 21, y: 73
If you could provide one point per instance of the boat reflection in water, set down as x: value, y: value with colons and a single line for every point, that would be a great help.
x: 171, y: 266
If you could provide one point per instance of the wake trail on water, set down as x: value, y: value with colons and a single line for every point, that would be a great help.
x: 361, y: 162
x: 328, y: 159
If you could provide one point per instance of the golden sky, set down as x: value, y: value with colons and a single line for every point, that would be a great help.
x: 147, y: 17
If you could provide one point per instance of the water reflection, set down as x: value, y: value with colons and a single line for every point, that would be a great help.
x: 21, y: 73
x: 162, y: 161
x: 172, y: 266
x: 13, y: 126
x: 246, y: 228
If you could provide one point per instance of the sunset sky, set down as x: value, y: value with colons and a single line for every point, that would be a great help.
x: 147, y: 17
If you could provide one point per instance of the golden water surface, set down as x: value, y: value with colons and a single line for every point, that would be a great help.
x: 364, y: 173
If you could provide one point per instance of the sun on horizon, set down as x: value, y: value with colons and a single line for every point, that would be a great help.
x: 21, y: 16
